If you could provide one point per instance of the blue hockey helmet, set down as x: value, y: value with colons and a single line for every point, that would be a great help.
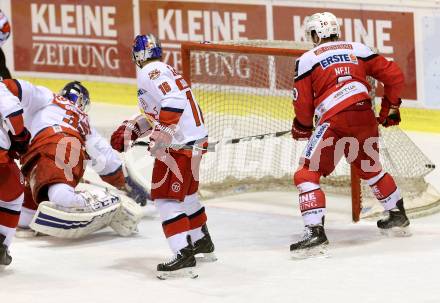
x: 146, y: 47
x: 77, y: 93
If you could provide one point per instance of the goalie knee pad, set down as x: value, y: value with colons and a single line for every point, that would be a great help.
x: 385, y: 190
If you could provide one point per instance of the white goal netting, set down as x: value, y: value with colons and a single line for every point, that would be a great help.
x: 245, y: 94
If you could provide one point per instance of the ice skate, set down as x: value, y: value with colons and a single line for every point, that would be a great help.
x: 5, y: 257
x: 182, y: 265
x: 312, y: 244
x: 205, y: 246
x: 396, y: 224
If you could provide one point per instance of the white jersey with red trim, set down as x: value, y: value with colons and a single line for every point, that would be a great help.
x: 333, y: 76
x: 166, y: 96
x: 10, y: 107
x: 43, y: 109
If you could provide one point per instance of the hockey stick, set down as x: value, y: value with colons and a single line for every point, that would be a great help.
x: 103, y: 186
x: 212, y: 145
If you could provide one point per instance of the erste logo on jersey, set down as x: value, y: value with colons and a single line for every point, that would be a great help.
x: 338, y: 58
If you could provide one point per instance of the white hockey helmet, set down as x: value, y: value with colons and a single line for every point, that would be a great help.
x: 324, y: 24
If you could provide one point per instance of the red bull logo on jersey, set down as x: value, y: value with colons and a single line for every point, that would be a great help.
x: 338, y: 58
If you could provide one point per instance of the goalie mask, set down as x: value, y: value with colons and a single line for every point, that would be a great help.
x: 78, y: 94
x: 325, y: 25
x: 146, y: 47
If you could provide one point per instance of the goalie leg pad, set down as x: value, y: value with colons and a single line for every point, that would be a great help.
x: 126, y: 218
x: 76, y: 223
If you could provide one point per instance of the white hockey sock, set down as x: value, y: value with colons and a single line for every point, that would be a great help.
x: 26, y: 217
x: 65, y: 196
x: 175, y: 223
x: 194, y: 209
x: 11, y: 210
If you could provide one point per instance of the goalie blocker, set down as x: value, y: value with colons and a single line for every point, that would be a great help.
x: 103, y: 209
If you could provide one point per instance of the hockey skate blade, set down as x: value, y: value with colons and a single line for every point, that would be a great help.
x: 397, y: 232
x: 181, y: 273
x: 320, y: 251
x: 206, y: 257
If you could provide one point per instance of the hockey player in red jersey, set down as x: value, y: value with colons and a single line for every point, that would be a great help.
x: 334, y: 112
x: 172, y: 118
x: 14, y: 140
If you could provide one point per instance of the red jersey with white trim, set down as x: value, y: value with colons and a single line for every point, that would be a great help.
x: 46, y: 114
x: 11, y: 116
x: 167, y: 97
x: 333, y: 76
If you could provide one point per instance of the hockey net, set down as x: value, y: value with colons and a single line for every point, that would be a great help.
x: 245, y: 89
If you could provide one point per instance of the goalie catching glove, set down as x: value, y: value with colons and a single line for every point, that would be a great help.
x: 389, y: 114
x: 301, y: 132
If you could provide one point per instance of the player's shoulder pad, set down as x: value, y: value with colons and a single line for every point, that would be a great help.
x: 363, y: 51
x: 304, y: 65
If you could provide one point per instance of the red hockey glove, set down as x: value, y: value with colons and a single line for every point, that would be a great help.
x: 160, y: 140
x: 389, y: 114
x: 19, y: 144
x: 301, y: 132
x: 129, y: 130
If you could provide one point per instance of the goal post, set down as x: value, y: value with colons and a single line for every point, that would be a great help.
x: 244, y: 88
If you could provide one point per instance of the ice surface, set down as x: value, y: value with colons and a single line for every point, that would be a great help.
x: 252, y: 233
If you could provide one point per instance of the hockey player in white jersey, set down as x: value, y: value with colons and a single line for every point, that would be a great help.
x: 14, y: 140
x: 62, y: 140
x: 174, y: 121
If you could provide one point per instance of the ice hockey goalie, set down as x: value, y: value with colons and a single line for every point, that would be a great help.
x: 55, y: 162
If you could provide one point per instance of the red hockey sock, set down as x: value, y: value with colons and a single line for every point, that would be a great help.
x: 175, y: 223
x: 385, y: 190
x: 311, y: 197
x: 197, y: 216
x: 312, y: 206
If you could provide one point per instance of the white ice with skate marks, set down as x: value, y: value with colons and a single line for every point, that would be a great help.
x: 252, y: 233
